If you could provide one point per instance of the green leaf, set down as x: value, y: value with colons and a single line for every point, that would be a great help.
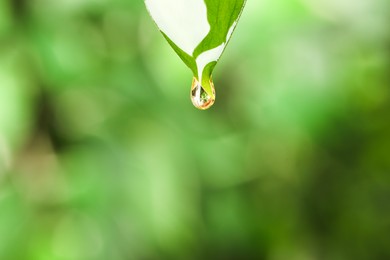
x: 221, y: 15
x: 198, y: 30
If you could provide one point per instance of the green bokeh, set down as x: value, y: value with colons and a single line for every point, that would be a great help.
x: 102, y: 155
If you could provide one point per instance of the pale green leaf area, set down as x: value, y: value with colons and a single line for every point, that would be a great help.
x: 221, y: 17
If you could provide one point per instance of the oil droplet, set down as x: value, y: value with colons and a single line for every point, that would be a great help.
x: 200, y: 98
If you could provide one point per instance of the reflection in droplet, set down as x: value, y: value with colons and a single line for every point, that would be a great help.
x: 200, y: 98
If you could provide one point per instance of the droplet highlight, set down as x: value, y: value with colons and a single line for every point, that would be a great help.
x: 199, y: 97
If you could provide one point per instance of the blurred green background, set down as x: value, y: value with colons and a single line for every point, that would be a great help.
x: 102, y: 155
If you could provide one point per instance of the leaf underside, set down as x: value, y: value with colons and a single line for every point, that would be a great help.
x: 221, y: 15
